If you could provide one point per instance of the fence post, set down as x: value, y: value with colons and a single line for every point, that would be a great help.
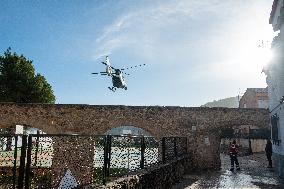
x: 37, y: 144
x: 105, y: 160
x: 22, y: 163
x: 164, y: 150
x: 29, y: 162
x: 175, y: 147
x: 142, y: 152
x: 109, y: 154
x: 15, y: 162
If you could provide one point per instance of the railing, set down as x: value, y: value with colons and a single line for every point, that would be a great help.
x: 51, y: 161
x: 10, y: 151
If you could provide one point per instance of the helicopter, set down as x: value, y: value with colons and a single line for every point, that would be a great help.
x: 118, y: 80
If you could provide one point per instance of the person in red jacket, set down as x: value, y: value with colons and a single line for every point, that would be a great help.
x: 233, y: 151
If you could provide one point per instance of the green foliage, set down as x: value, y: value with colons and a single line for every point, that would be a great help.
x: 19, y: 82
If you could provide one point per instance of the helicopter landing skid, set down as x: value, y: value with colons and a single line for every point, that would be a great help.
x: 112, y: 89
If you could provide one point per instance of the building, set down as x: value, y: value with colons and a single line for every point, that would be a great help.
x: 275, y: 81
x: 255, y: 98
x: 250, y: 138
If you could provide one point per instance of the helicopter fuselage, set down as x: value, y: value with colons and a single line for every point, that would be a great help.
x: 116, y: 74
x: 109, y: 70
x: 118, y: 81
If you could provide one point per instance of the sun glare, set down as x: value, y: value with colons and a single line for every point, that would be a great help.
x: 253, y: 57
x: 259, y: 57
x: 252, y: 48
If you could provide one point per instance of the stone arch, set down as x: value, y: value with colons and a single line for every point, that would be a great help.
x: 213, y: 134
x: 160, y: 121
x: 134, y: 130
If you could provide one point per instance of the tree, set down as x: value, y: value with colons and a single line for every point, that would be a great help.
x: 19, y: 83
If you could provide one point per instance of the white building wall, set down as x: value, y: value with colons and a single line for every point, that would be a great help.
x: 277, y: 12
x: 275, y: 82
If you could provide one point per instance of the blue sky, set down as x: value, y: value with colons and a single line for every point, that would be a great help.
x: 195, y: 51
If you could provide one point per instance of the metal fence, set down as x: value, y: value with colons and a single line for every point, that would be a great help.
x: 10, y: 146
x: 173, y: 147
x: 52, y: 161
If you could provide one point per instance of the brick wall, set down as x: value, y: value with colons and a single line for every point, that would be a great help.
x: 255, y: 98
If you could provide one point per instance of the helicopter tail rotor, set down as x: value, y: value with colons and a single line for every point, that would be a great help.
x: 106, y: 62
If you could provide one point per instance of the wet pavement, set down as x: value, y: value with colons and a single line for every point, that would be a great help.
x: 253, y: 174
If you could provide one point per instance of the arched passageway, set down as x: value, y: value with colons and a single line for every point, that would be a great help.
x: 200, y: 125
x: 126, y: 149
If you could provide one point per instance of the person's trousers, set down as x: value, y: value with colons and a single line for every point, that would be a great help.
x: 234, y: 160
x: 269, y: 160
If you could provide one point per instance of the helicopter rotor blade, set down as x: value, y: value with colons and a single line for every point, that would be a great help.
x: 125, y: 73
x: 108, y: 65
x: 133, y: 67
x: 98, y: 72
x: 101, y: 73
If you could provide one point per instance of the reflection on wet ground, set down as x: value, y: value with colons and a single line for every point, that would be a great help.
x: 253, y: 174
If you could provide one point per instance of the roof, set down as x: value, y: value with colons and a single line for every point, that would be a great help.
x: 258, y: 90
x: 274, y: 7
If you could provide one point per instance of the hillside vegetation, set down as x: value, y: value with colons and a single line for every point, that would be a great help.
x: 231, y: 102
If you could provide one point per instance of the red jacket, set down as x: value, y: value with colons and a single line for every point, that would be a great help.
x: 233, y: 150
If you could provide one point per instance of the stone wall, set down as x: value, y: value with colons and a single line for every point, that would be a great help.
x: 161, y: 176
x: 200, y: 125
